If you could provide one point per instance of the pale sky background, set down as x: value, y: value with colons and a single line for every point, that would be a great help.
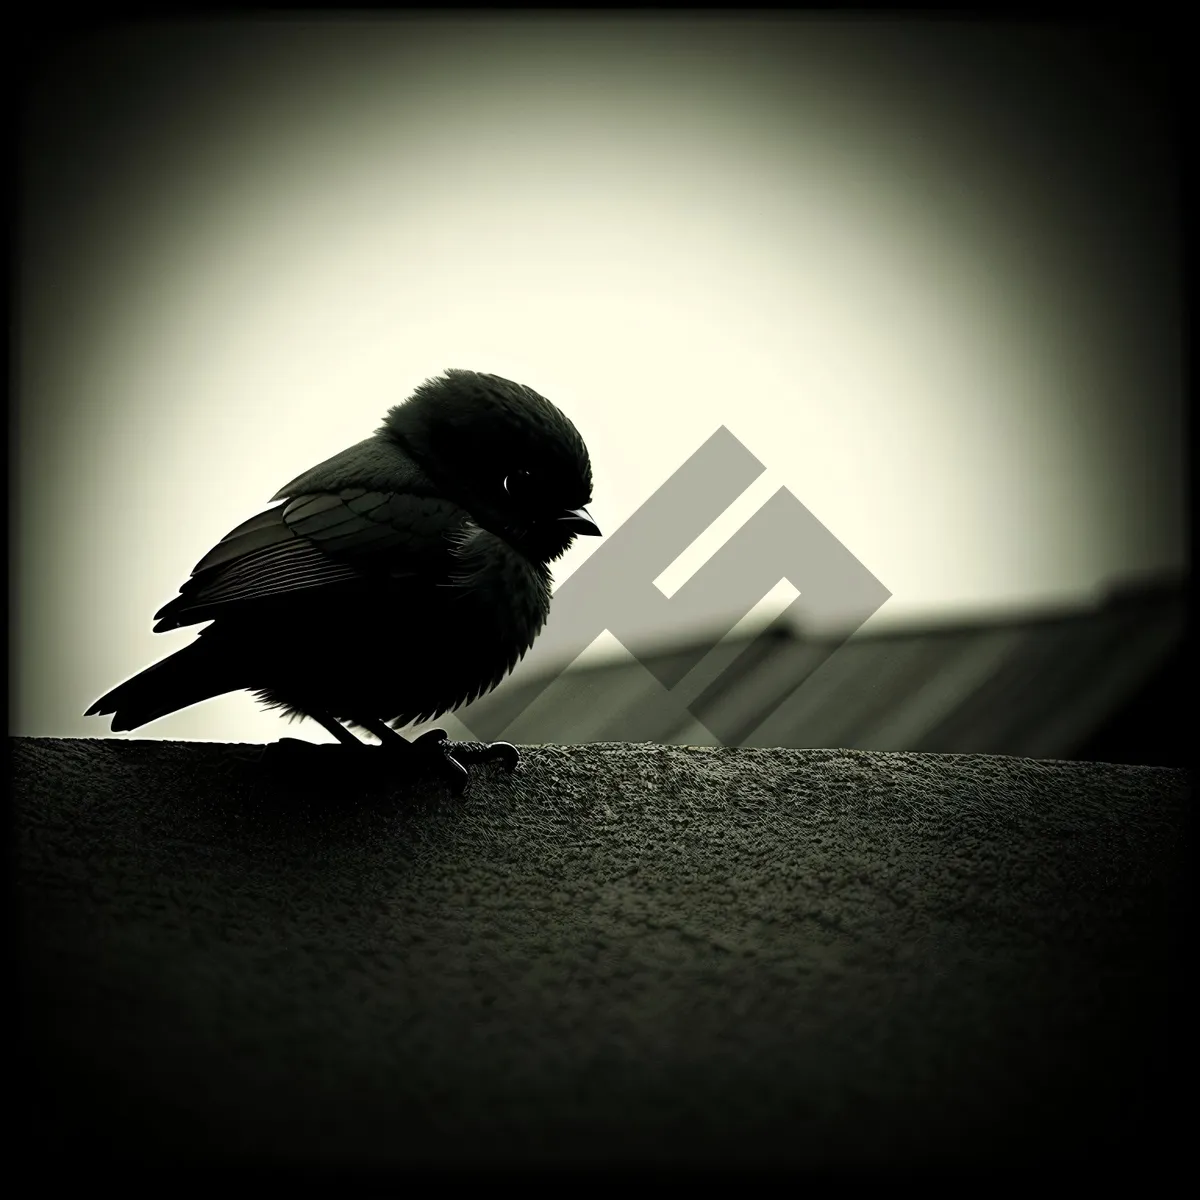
x: 927, y: 274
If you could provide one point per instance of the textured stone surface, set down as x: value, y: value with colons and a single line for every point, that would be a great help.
x: 622, y: 953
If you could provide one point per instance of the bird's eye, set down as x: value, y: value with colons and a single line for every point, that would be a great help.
x: 516, y: 484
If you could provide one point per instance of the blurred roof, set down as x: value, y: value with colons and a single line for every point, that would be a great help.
x: 1035, y: 685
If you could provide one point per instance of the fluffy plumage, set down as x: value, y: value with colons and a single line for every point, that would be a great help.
x: 395, y: 581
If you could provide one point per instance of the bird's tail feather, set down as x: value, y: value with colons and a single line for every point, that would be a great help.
x: 184, y: 678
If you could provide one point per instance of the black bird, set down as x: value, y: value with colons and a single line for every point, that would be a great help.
x: 400, y: 579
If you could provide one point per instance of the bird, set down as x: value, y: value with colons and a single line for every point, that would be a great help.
x: 390, y: 584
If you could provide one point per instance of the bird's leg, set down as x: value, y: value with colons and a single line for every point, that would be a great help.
x: 340, y: 732
x: 430, y: 741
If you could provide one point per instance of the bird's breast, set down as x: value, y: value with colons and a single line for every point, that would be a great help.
x: 508, y: 595
x: 473, y: 629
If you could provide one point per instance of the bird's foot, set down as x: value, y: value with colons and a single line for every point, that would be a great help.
x: 450, y: 764
x: 313, y: 764
x: 248, y: 754
x: 506, y: 754
x: 310, y: 761
x: 299, y: 762
x: 289, y: 751
x: 239, y: 758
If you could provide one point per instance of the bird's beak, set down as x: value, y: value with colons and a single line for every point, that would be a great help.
x: 579, y: 520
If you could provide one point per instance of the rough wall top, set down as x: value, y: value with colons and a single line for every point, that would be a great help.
x: 620, y: 954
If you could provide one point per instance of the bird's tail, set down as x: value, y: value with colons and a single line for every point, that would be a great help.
x: 197, y: 672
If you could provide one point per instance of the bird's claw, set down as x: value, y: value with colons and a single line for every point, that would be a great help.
x: 251, y: 754
x: 456, y: 775
x: 452, y: 762
x: 293, y: 751
x: 449, y: 764
x: 506, y: 754
x: 430, y: 745
x: 430, y: 735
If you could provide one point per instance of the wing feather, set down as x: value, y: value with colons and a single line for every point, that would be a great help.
x: 323, y: 539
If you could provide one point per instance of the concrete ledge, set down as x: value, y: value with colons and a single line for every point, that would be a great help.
x: 623, y: 954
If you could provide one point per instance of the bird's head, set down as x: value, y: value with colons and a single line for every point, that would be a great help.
x: 503, y: 452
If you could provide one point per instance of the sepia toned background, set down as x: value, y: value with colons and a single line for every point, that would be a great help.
x: 925, y: 272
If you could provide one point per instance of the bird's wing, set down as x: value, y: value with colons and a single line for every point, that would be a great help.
x: 322, y: 539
